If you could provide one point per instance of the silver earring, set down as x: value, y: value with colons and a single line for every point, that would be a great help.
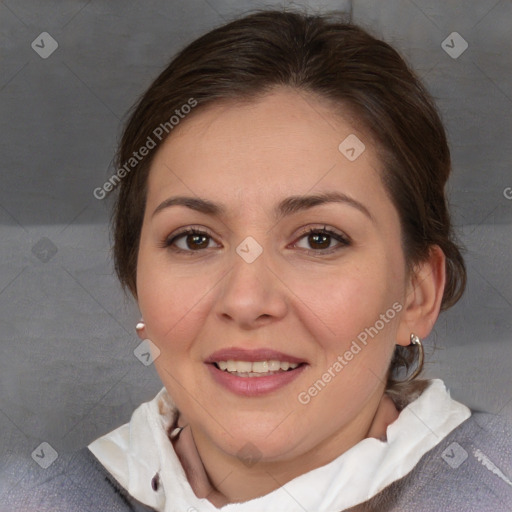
x: 415, y: 340
x: 140, y: 325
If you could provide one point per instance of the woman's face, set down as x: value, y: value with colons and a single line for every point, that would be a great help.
x: 294, y: 259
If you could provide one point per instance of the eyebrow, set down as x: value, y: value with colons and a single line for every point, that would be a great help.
x: 199, y: 205
x: 295, y: 204
x: 286, y: 207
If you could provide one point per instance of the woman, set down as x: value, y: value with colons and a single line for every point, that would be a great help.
x: 282, y: 224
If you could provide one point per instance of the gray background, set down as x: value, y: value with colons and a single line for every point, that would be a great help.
x: 67, y: 369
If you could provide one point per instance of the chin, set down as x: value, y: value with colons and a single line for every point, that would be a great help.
x: 252, y: 449
x: 254, y: 435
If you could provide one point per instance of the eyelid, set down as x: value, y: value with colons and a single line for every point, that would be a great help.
x: 188, y: 230
x: 306, y: 230
x: 342, y: 239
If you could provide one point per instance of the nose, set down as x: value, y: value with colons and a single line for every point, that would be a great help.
x: 251, y: 295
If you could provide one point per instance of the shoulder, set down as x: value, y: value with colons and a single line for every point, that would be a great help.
x: 75, y: 482
x: 473, y: 464
x: 470, y: 469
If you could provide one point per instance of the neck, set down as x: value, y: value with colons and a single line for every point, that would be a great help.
x: 222, y: 478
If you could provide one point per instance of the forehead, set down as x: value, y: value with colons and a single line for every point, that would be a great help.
x: 286, y: 142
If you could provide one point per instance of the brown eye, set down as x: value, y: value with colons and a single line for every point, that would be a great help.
x: 197, y: 241
x: 322, y: 241
x: 319, y: 240
x: 190, y: 240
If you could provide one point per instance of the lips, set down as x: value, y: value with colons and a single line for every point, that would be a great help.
x: 239, y: 354
x: 253, y: 372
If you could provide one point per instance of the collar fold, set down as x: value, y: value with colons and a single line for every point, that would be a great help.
x: 135, y: 452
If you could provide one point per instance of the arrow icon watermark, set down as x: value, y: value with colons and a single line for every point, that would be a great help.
x: 45, y: 455
x: 454, y: 45
x: 454, y: 455
x: 44, y: 45
x: 146, y: 352
x: 351, y: 147
x: 249, y: 249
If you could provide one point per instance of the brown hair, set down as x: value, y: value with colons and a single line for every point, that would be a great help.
x: 331, y: 59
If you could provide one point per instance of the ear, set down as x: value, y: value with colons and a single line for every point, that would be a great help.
x: 424, y: 294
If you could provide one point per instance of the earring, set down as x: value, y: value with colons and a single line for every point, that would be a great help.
x: 140, y: 325
x: 415, y: 340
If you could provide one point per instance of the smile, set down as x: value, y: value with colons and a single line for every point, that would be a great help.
x: 255, y: 372
x: 255, y: 368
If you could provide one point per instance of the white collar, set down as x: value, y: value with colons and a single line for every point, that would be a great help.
x: 136, y: 451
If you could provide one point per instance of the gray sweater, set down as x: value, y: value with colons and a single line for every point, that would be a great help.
x: 469, y: 470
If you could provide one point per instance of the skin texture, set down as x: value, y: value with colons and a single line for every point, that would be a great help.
x: 304, y: 299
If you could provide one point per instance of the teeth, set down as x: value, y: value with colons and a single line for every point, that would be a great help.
x: 260, y: 367
x: 243, y: 366
x: 255, y: 369
x: 274, y: 366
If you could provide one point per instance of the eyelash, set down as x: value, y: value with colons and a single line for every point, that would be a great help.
x: 343, y: 240
x: 168, y: 242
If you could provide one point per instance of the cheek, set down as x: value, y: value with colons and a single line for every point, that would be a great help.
x: 336, y: 306
x: 172, y: 305
x: 351, y: 317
